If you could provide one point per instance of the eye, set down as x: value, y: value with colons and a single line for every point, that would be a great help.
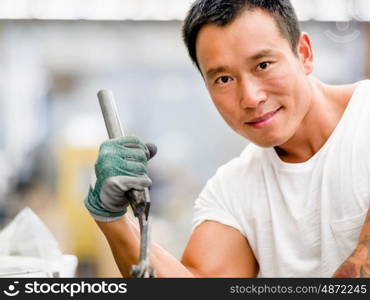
x: 223, y: 79
x: 263, y: 66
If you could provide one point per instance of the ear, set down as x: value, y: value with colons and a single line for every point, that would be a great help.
x: 305, y: 55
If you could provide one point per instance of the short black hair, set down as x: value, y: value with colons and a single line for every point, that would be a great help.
x: 224, y: 12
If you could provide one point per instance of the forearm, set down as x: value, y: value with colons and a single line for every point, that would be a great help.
x: 358, y: 264
x: 124, y: 239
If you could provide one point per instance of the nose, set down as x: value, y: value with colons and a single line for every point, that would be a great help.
x: 251, y: 94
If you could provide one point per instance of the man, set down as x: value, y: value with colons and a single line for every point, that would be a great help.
x: 295, y: 202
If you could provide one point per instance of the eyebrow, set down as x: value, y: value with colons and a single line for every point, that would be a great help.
x: 261, y: 54
x: 213, y: 71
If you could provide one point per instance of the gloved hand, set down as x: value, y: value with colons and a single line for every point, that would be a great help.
x: 120, y: 167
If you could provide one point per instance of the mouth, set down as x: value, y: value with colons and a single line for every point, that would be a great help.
x: 264, y: 120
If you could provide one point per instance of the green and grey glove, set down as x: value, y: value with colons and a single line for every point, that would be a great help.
x: 121, y: 166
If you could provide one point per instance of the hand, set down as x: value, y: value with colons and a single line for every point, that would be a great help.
x: 120, y: 167
x: 358, y: 263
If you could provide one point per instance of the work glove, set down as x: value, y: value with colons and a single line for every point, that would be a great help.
x: 121, y: 166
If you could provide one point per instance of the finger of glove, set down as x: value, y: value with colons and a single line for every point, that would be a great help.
x: 119, y: 167
x: 132, y: 142
x: 152, y: 150
x: 127, y: 140
x: 112, y: 194
x: 130, y: 153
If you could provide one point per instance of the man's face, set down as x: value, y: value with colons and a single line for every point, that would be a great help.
x: 257, y: 83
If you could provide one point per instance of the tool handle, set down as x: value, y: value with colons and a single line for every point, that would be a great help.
x: 110, y: 114
x: 108, y: 107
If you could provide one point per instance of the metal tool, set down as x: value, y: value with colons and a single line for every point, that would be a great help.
x: 139, y: 200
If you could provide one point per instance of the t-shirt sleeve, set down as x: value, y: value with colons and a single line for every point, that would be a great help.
x: 213, y: 204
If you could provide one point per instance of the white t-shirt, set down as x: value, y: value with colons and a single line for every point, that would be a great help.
x: 302, y: 219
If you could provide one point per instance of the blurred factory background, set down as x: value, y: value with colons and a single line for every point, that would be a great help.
x: 55, y: 55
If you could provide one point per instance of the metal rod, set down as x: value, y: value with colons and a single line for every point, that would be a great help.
x: 139, y: 200
x: 110, y: 114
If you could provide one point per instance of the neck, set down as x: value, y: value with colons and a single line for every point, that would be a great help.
x: 327, y: 107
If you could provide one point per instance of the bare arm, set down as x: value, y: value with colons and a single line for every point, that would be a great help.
x: 214, y: 250
x: 217, y: 250
x: 358, y: 264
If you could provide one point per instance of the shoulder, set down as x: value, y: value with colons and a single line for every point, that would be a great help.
x: 232, y: 177
x: 248, y: 162
x: 360, y: 89
x: 344, y: 94
x: 365, y: 83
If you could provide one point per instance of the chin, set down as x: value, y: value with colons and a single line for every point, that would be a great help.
x: 268, y: 139
x: 265, y: 144
x: 268, y: 143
